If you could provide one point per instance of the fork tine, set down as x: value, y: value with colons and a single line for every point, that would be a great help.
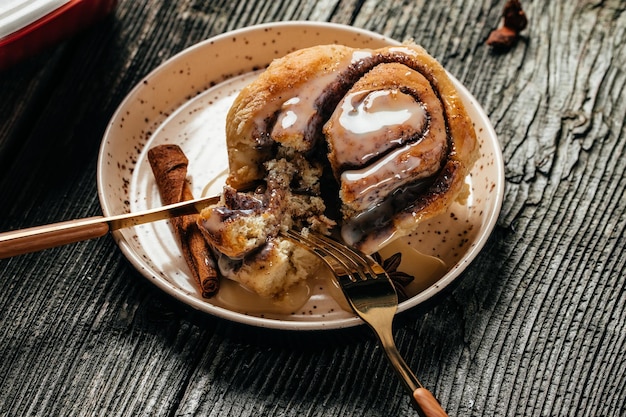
x: 339, y: 265
x: 358, y: 259
x: 355, y: 262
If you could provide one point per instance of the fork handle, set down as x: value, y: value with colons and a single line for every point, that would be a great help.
x: 428, y: 406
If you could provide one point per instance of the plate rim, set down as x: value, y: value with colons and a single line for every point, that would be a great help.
x: 174, y: 291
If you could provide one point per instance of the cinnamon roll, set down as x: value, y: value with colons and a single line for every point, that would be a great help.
x: 375, y: 140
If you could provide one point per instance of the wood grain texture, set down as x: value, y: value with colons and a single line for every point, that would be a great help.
x: 535, y: 327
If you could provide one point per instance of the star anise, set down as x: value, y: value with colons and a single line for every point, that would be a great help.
x: 399, y: 279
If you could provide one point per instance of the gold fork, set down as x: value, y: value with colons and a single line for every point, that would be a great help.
x: 373, y: 298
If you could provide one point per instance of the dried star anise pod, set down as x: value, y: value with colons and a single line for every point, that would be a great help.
x: 399, y: 279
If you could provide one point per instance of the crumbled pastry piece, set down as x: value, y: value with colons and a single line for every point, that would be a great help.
x: 272, y: 270
x: 243, y: 228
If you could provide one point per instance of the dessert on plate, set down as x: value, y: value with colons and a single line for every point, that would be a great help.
x: 359, y: 143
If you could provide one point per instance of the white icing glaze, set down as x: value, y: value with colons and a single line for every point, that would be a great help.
x: 371, y: 111
x: 369, y: 123
x: 360, y: 54
x: 289, y: 117
x: 299, y: 108
x: 385, y: 170
x: 366, y: 188
x: 403, y: 50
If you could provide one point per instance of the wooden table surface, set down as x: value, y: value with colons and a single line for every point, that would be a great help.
x: 536, y: 326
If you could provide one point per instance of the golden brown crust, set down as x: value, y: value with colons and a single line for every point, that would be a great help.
x: 265, y: 96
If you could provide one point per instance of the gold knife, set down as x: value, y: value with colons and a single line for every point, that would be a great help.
x: 33, y: 239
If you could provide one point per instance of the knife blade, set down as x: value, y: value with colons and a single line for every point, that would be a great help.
x: 33, y: 239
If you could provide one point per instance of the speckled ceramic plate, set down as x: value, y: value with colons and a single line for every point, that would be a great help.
x: 184, y: 101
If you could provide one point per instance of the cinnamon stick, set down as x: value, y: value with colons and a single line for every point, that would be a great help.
x: 169, y: 165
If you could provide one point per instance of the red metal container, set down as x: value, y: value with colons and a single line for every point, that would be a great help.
x: 28, y: 26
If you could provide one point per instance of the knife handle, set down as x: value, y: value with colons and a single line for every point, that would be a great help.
x: 428, y: 406
x: 37, y: 238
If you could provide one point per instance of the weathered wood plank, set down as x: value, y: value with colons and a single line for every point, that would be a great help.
x: 537, y: 325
